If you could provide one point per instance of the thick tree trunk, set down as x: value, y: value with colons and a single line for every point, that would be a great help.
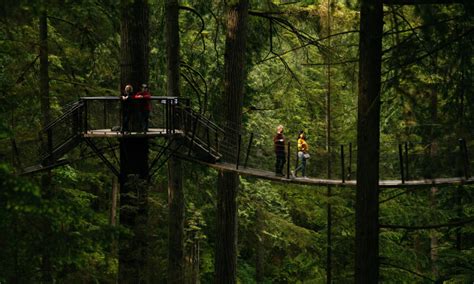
x: 368, y: 144
x: 175, y: 173
x: 227, y: 184
x: 133, y: 151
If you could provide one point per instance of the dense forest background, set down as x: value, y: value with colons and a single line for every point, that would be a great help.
x: 301, y: 72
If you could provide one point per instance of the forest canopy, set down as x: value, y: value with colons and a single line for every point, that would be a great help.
x: 300, y: 69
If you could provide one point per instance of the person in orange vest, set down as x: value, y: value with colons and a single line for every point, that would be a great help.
x: 303, y: 154
x: 279, y: 143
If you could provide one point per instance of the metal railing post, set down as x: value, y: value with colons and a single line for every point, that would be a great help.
x: 167, y: 115
x: 464, y: 157
x: 105, y: 114
x: 217, y: 142
x: 248, y: 150
x: 406, y: 161
x: 288, y: 155
x: 86, y: 114
x: 342, y: 164
x: 350, y: 162
x: 208, y: 138
x: 49, y: 133
x: 238, y: 151
x: 400, y: 156
x: 193, y: 134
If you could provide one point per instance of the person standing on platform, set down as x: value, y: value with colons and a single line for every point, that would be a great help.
x: 144, y: 105
x: 126, y: 107
x: 303, y: 154
x: 279, y: 143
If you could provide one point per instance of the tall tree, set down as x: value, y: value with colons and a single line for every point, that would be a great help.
x: 228, y: 183
x: 175, y: 172
x: 328, y: 150
x: 133, y: 151
x: 368, y: 143
x: 46, y: 178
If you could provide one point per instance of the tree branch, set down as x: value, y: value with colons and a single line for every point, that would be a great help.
x: 423, y: 2
x: 435, y: 226
x: 186, y: 8
x: 407, y: 270
x: 21, y: 78
x: 432, y: 51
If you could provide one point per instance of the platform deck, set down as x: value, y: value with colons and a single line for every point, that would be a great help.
x: 108, y: 133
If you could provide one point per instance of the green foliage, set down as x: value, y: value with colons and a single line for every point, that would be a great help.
x: 426, y: 95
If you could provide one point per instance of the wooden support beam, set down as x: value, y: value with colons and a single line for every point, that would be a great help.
x: 423, y: 2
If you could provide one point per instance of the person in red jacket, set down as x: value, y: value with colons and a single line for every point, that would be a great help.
x: 144, y: 98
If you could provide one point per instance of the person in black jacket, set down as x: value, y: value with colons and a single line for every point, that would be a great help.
x: 279, y: 143
x: 126, y: 98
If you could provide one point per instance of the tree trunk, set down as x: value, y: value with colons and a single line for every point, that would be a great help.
x: 113, y: 202
x: 176, y: 222
x: 259, y: 248
x: 328, y: 151
x: 46, y: 178
x: 175, y: 173
x: 227, y: 184
x: 435, y: 166
x: 44, y: 74
x: 368, y: 144
x: 133, y: 152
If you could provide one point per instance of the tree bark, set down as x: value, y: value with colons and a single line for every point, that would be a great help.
x: 176, y: 265
x: 46, y: 178
x: 44, y: 65
x: 227, y: 184
x: 259, y: 247
x: 133, y: 152
x: 368, y: 134
x: 328, y: 151
x: 113, y: 202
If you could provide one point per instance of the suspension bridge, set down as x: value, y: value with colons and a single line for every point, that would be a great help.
x: 176, y: 129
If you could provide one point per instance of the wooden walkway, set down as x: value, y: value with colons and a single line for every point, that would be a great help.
x: 268, y: 175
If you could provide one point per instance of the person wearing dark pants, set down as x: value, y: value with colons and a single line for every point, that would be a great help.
x: 144, y: 97
x: 126, y: 107
x: 279, y: 143
x: 303, y: 154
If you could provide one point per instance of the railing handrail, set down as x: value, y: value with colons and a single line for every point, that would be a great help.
x: 65, y: 114
x: 206, y: 121
x: 116, y: 98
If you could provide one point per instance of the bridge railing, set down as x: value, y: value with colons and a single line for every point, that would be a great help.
x: 398, y: 160
x: 106, y: 113
x: 200, y: 131
x: 61, y: 131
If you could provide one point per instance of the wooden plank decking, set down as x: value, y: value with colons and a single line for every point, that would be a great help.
x: 268, y: 175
